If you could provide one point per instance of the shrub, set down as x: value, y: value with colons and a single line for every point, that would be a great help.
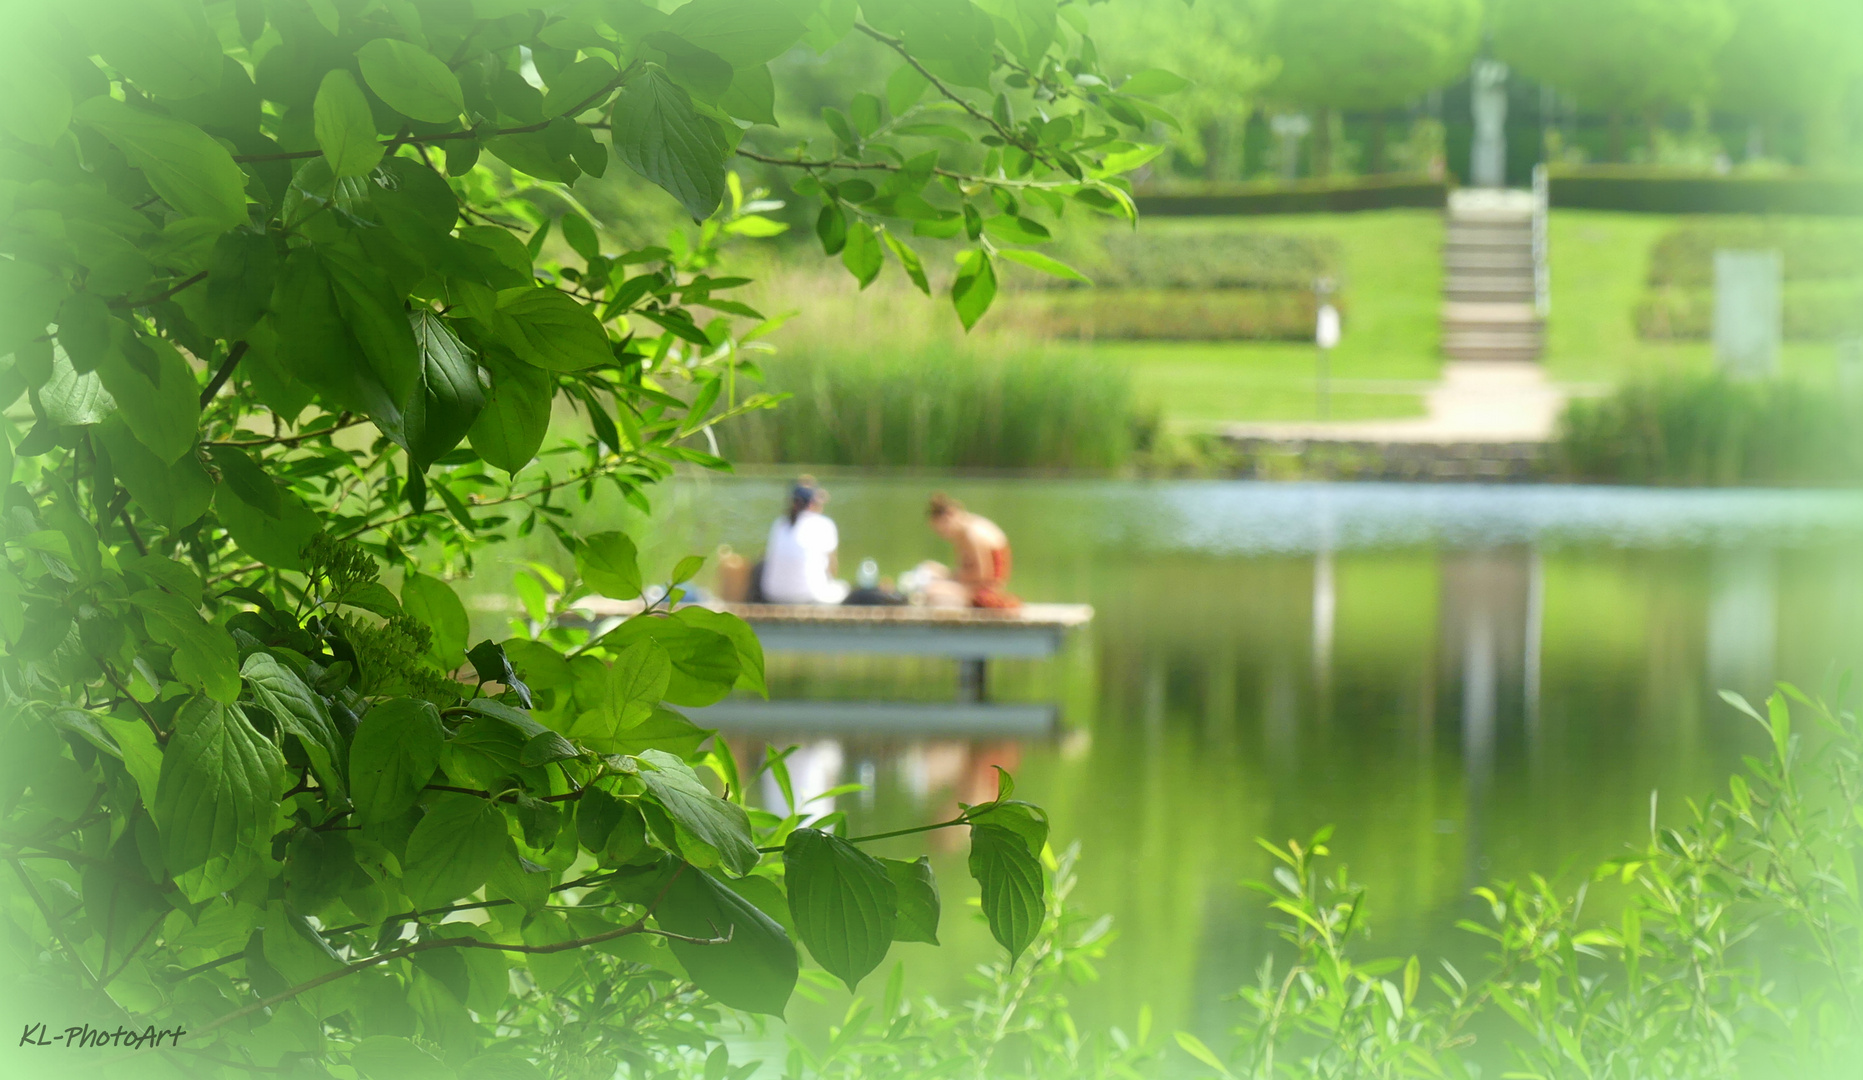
x: 1710, y: 430
x: 957, y: 409
x: 1823, y: 267
x: 1173, y: 314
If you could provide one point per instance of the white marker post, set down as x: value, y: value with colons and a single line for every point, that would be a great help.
x: 1326, y: 336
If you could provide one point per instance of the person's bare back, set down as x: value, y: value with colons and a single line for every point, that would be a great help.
x: 982, y: 549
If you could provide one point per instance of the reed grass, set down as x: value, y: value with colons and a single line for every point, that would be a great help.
x: 943, y: 408
x: 1709, y: 430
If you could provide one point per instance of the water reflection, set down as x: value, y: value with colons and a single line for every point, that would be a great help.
x: 1466, y: 682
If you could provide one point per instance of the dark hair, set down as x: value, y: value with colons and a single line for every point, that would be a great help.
x: 801, y: 497
x: 942, y: 505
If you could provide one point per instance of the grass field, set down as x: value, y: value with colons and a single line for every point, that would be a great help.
x: 1391, y: 266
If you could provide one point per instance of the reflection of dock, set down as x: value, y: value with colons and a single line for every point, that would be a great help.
x: 971, y: 636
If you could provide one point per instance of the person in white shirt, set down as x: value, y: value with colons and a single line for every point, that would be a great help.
x: 800, y: 561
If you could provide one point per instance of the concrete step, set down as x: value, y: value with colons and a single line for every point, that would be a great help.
x: 1506, y: 261
x: 1489, y: 293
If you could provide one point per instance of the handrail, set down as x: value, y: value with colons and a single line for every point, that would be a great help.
x: 1542, y: 269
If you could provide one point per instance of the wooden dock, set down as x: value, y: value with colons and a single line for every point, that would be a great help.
x: 971, y: 636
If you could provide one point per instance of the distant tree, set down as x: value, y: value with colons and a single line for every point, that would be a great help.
x: 1215, y: 44
x: 1367, y: 54
x: 1629, y: 57
x: 1793, y: 58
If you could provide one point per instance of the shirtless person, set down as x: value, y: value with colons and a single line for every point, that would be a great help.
x: 982, y: 558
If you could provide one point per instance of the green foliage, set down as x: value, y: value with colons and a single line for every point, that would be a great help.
x: 964, y: 408
x: 283, y: 308
x: 1018, y: 1026
x: 1616, y: 56
x: 1708, y: 430
x: 1823, y: 267
x: 1727, y: 946
x: 1370, y: 54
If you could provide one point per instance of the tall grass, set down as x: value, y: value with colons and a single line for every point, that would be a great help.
x: 1708, y: 430
x: 943, y: 408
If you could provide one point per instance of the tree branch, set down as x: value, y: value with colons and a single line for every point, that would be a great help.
x: 899, y: 47
x: 224, y: 372
x: 638, y: 926
x: 163, y: 295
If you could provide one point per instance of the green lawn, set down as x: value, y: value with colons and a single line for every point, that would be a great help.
x: 1391, y: 265
x: 1600, y: 261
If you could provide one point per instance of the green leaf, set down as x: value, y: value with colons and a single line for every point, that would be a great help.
x: 752, y: 95
x: 455, y: 849
x: 576, y: 84
x: 919, y: 906
x: 214, y: 801
x: 434, y: 603
x: 1026, y: 820
x: 755, y: 969
x: 516, y: 417
x: 247, y: 481
x: 165, y: 47
x: 35, y: 95
x: 974, y: 288
x: 204, y: 654
x: 904, y: 87
x: 376, y: 315
x: 186, y: 167
x: 1011, y: 880
x: 71, y: 398
x: 742, y: 33
x: 345, y: 127
x: 636, y: 682
x: 450, y: 397
x: 1195, y: 1048
x: 175, y: 496
x: 33, y: 294
x: 862, y: 255
x: 277, y: 540
x: 661, y: 135
x: 705, y: 663
x: 580, y: 235
x: 1046, y: 265
x: 908, y: 259
x: 280, y: 692
x: 389, y: 1057
x: 721, y: 828
x: 548, y: 328
x: 843, y: 900
x: 1016, y: 230
x: 749, y: 649
x: 665, y: 730
x: 831, y: 227
x: 1154, y: 82
x: 240, y: 279
x: 157, y: 397
x: 394, y: 752
x: 609, y: 563
x: 413, y: 81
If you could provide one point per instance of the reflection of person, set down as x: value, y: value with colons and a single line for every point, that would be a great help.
x: 799, y: 563
x: 982, y: 549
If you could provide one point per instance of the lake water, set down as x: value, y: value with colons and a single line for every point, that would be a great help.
x: 1468, y: 682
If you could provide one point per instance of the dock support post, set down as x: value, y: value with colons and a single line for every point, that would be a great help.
x: 972, y: 683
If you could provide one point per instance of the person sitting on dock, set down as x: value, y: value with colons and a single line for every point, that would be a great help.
x: 800, y: 562
x: 983, y: 562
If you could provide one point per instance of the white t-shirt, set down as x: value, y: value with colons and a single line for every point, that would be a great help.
x: 795, y: 563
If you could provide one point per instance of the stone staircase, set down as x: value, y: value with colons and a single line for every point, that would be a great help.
x: 1489, y: 297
